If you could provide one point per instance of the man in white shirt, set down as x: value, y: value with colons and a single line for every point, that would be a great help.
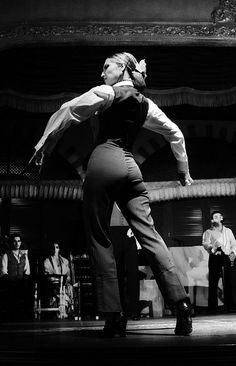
x: 220, y: 243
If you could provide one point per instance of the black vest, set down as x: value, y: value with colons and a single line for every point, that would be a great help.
x: 123, y: 120
x: 15, y: 269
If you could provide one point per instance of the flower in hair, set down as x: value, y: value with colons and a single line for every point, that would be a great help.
x: 141, y: 67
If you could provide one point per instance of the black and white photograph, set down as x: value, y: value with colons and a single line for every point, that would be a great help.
x: 117, y: 182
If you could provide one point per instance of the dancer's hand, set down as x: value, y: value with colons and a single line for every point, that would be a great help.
x: 185, y: 179
x: 39, y: 156
x: 37, y: 159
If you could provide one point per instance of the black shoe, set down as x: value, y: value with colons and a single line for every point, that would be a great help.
x: 116, y: 325
x: 184, y: 320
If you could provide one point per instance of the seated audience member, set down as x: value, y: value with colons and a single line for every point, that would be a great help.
x: 59, y: 291
x: 16, y: 281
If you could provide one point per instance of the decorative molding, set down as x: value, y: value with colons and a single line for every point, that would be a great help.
x: 158, y: 191
x: 172, y: 190
x: 49, y: 190
x: 215, y: 33
x: 225, y: 12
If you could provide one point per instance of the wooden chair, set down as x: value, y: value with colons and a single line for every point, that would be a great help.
x: 76, y: 291
x: 39, y: 307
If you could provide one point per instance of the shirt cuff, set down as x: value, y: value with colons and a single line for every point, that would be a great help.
x: 40, y: 143
x: 182, y: 166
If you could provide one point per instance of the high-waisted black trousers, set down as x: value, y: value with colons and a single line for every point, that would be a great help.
x: 113, y: 176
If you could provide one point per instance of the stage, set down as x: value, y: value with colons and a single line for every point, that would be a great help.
x: 148, y: 342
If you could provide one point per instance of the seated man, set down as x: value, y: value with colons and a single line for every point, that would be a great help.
x: 59, y: 291
x: 15, y: 279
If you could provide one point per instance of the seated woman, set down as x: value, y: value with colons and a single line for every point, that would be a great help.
x: 59, y: 291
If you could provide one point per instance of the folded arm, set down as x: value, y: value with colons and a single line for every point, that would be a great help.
x: 206, y: 241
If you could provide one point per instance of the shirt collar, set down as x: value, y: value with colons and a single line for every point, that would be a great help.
x: 124, y: 82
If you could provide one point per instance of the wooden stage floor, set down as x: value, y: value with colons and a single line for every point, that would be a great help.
x: 148, y: 342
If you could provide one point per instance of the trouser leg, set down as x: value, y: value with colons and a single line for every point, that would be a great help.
x: 227, y: 283
x: 138, y: 214
x: 97, y: 213
x: 119, y: 252
x: 132, y: 278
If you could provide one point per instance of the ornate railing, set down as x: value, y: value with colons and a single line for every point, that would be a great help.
x: 158, y: 191
x: 119, y: 33
x: 220, y: 30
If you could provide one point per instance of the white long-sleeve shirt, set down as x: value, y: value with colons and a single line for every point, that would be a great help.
x: 94, y: 102
x: 213, y: 239
x: 56, y: 265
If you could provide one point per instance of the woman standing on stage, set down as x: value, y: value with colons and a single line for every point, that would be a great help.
x: 113, y: 176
